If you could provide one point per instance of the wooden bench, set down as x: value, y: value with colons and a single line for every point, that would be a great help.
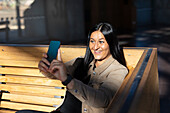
x: 24, y: 87
x: 139, y: 92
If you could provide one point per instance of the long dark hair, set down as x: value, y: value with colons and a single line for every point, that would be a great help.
x: 117, y: 52
x: 110, y: 34
x: 82, y: 65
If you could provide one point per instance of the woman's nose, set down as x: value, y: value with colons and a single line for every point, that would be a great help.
x: 96, y: 46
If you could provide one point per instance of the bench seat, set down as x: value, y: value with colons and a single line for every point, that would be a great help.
x: 22, y: 86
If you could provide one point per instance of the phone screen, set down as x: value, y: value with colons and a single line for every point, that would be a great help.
x: 53, y: 50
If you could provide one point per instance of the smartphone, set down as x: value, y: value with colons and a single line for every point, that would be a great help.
x: 53, y: 50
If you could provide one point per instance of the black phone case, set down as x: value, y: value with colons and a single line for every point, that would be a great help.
x: 53, y: 50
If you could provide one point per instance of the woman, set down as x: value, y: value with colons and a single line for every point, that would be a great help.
x: 94, y: 79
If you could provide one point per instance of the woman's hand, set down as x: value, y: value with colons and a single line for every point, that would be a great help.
x: 54, y: 70
x: 58, y: 69
x: 44, y: 65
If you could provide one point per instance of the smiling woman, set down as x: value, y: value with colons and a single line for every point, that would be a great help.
x: 107, y: 35
x: 99, y: 47
x: 91, y: 81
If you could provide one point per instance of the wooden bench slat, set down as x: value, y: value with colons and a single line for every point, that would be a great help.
x: 34, y: 94
x: 24, y: 49
x: 7, y: 111
x: 132, y: 58
x: 75, y: 52
x: 35, y: 54
x: 32, y: 99
x: 33, y: 89
x: 20, y: 71
x: 41, y: 48
x: 26, y: 56
x: 20, y: 106
x: 33, y: 64
x: 30, y: 80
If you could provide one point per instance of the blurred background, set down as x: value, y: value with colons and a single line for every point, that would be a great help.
x: 139, y: 23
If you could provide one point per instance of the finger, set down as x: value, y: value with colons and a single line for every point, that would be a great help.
x: 54, y: 68
x: 44, y: 55
x: 46, y: 61
x: 42, y: 65
x: 54, y: 63
x: 43, y: 70
x: 59, y: 55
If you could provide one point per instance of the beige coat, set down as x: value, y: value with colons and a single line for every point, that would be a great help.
x: 104, y: 82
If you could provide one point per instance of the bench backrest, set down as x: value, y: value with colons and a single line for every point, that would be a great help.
x: 24, y: 87
x: 139, y: 93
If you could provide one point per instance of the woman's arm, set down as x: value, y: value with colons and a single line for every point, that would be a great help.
x: 98, y: 97
x: 94, y: 97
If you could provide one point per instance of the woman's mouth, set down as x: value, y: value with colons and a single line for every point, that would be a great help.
x: 97, y: 52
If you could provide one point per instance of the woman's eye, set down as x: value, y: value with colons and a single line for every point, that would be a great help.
x: 101, y: 42
x: 92, y: 41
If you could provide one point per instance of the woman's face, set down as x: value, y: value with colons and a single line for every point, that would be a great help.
x: 99, y: 46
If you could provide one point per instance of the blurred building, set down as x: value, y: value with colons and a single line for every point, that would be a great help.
x: 39, y: 21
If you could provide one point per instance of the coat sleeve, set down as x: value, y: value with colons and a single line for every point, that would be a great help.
x: 99, y: 97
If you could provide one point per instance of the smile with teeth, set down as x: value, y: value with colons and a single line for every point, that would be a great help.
x: 97, y: 52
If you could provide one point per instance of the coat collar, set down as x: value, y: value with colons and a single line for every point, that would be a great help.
x: 103, y: 66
